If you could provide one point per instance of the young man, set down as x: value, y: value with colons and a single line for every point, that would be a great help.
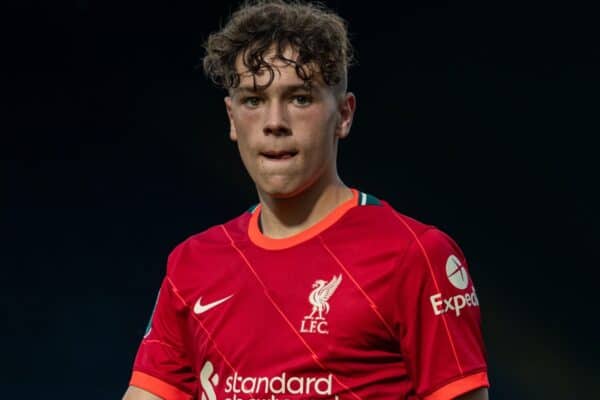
x: 320, y: 291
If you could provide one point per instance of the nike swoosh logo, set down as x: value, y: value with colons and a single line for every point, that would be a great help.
x: 199, y: 308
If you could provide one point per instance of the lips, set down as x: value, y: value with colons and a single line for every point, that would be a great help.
x: 279, y: 155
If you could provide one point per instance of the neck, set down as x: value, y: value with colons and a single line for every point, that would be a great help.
x: 284, y: 217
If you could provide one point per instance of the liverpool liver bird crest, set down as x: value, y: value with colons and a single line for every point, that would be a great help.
x: 322, y: 292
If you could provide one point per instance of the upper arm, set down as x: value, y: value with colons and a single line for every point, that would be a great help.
x: 439, y: 319
x: 134, y: 393
x: 162, y: 365
x: 479, y: 394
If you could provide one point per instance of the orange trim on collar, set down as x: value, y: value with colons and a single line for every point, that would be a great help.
x: 157, y: 387
x: 257, y: 237
x: 460, y: 386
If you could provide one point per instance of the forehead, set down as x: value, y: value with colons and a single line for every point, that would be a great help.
x: 282, y: 67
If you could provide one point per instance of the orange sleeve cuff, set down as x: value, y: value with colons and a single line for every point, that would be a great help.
x: 460, y: 386
x: 157, y: 387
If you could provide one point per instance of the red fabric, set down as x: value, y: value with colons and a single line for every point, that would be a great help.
x: 264, y: 328
x: 460, y: 387
x: 157, y: 387
x: 163, y: 353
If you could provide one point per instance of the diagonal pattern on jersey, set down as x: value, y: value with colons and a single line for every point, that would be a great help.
x: 314, y: 355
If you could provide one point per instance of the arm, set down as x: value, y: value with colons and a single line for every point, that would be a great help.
x: 478, y: 394
x: 161, y: 366
x: 442, y: 337
x: 134, y: 393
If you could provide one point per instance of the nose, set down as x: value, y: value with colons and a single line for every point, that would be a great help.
x: 276, y: 120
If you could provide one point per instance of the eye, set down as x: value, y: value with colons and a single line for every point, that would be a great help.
x: 251, y: 101
x: 302, y: 100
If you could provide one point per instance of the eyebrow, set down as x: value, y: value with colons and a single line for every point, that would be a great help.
x: 286, y: 89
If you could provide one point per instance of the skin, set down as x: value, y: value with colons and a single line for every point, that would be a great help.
x: 134, y: 393
x: 297, y: 191
x: 478, y: 394
x: 287, y: 137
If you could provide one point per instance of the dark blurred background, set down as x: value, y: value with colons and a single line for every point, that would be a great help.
x: 477, y: 118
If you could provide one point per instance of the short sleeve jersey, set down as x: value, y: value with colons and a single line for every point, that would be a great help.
x: 366, y: 304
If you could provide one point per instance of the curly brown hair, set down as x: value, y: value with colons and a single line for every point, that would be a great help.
x: 318, y: 36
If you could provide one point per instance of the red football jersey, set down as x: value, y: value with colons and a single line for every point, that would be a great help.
x: 366, y: 304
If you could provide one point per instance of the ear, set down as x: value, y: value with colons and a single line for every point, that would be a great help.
x: 346, y: 108
x: 232, y: 132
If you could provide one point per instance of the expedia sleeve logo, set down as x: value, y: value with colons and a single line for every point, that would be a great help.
x: 459, y: 278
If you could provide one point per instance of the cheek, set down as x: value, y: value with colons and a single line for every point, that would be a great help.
x: 245, y: 150
x: 245, y: 121
x: 322, y: 132
x: 245, y: 115
x: 244, y: 145
x: 243, y: 128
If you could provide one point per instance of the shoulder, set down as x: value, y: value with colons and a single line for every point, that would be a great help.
x: 203, y: 246
x: 424, y: 238
x: 378, y: 222
x: 380, y: 219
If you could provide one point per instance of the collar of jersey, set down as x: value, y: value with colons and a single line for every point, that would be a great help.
x: 257, y: 237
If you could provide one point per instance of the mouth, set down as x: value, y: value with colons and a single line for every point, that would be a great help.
x: 279, y: 155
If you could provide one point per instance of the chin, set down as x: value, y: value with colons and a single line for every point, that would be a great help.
x: 282, y: 191
x: 286, y: 187
x: 283, y: 196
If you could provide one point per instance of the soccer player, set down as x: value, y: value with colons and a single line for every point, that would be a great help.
x: 320, y: 291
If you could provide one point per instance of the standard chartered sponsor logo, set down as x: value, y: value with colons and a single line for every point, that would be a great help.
x: 282, y: 384
x: 208, y: 381
x: 280, y: 387
x: 458, y: 277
